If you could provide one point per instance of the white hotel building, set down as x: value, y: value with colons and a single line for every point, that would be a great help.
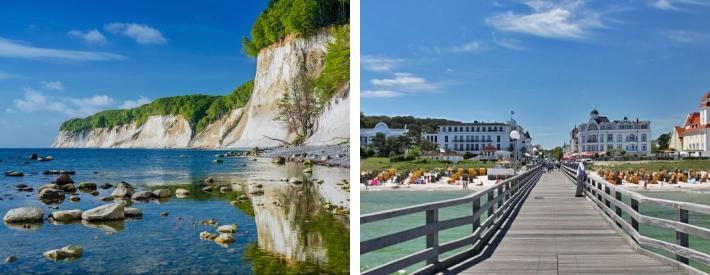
x: 599, y: 135
x: 694, y: 136
x: 480, y: 138
x: 366, y: 134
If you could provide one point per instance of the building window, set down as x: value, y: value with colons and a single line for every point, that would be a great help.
x: 643, y: 139
x: 446, y: 138
x: 643, y: 147
x: 610, y: 137
x: 498, y: 146
x: 498, y: 139
x: 619, y: 138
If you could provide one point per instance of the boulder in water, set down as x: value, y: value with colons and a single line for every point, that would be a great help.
x: 143, y: 195
x: 132, y: 212
x: 106, y: 185
x: 162, y: 193
x: 225, y: 189
x: 182, y: 192
x: 123, y: 190
x: 87, y: 186
x: 66, y: 215
x: 14, y: 174
x: 230, y: 228
x: 24, y: 214
x: 74, y: 198
x: 63, y: 179
x: 49, y: 194
x: 108, y: 212
x: 295, y: 180
x: 209, y: 180
x: 67, y: 252
x: 224, y: 239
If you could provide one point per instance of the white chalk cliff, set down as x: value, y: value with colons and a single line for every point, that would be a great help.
x: 278, y: 66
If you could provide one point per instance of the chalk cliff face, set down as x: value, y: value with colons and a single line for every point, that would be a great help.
x: 156, y: 132
x: 278, y: 67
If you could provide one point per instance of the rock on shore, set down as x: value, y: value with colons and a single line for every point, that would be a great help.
x: 67, y: 252
x: 331, y: 155
x: 24, y: 214
x: 108, y: 212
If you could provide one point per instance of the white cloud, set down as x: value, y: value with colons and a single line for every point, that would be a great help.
x: 128, y: 104
x: 91, y: 38
x: 12, y: 49
x: 401, y: 80
x: 684, y: 36
x: 379, y: 64
x: 380, y: 94
x: 550, y: 19
x: 399, y: 85
x: 36, y: 101
x: 143, y: 34
x: 675, y: 4
x: 53, y: 85
x: 469, y: 47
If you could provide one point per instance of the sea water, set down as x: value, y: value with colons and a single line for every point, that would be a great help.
x: 285, y: 230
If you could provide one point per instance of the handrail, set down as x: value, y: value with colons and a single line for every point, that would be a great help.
x: 600, y: 192
x: 501, y: 199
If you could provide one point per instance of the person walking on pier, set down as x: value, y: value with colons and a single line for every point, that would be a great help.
x: 581, y: 177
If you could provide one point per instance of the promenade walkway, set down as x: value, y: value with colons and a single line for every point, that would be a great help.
x: 557, y: 233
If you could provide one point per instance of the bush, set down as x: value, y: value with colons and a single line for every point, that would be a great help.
x: 299, y: 17
x: 337, y: 64
x: 198, y: 110
x: 467, y: 155
x: 400, y: 158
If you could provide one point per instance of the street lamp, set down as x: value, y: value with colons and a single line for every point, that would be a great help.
x: 515, y: 135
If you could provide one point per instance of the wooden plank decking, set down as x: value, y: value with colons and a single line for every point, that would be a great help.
x: 556, y: 233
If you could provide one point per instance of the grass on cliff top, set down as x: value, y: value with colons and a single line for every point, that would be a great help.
x: 381, y: 164
x: 654, y: 166
x: 299, y: 17
x: 198, y: 110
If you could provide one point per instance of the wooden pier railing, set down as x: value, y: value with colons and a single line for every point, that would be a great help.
x: 610, y: 199
x: 501, y: 200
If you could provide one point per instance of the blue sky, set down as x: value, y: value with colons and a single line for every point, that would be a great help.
x: 64, y: 59
x: 550, y: 61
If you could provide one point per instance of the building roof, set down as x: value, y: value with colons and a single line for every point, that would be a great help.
x: 601, y: 119
x: 705, y: 102
x: 693, y: 120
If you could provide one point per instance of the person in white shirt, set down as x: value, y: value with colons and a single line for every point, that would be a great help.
x: 581, y: 177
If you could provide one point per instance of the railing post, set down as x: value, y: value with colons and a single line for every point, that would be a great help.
x: 493, y: 206
x: 635, y: 207
x: 607, y: 190
x: 617, y: 195
x: 680, y: 237
x: 507, y: 188
x: 499, y: 193
x: 477, y: 221
x: 432, y: 239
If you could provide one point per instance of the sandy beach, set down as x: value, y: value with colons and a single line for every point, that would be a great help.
x: 479, y: 184
x: 680, y: 186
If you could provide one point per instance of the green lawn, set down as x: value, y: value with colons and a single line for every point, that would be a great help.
x: 662, y: 165
x: 380, y: 164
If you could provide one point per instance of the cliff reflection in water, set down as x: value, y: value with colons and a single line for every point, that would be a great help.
x: 293, y: 223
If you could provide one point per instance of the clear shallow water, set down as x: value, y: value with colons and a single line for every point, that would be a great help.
x: 384, y: 200
x: 283, y: 231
